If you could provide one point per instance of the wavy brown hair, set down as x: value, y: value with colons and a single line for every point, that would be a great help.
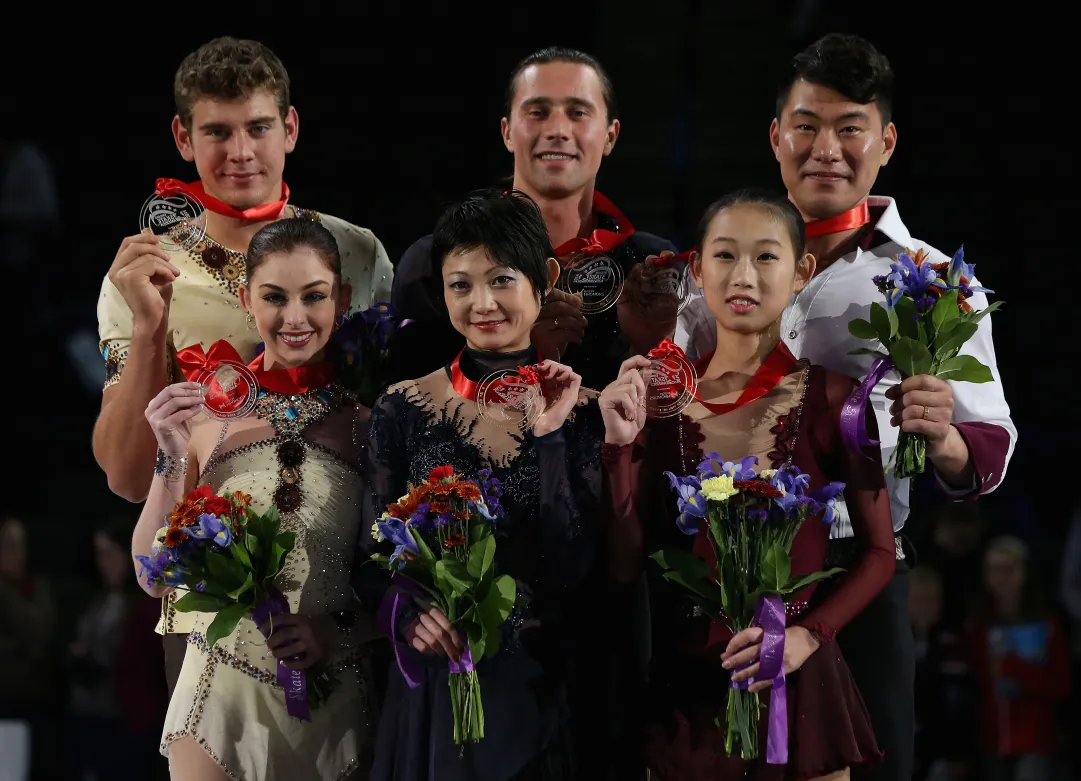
x: 229, y: 69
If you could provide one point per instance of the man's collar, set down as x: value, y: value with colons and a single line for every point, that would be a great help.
x: 889, y: 222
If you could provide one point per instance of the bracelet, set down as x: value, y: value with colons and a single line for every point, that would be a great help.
x: 170, y: 467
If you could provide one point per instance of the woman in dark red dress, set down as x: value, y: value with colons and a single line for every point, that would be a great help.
x: 755, y: 399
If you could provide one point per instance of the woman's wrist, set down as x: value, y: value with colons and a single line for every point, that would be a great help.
x: 171, y: 467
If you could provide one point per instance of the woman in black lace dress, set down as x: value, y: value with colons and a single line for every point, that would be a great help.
x: 497, y: 263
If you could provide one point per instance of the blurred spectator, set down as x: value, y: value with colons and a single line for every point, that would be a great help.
x: 118, y: 697
x: 26, y: 630
x: 1020, y: 657
x: 955, y: 552
x: 945, y: 691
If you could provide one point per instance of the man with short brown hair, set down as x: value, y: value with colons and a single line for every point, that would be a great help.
x: 235, y: 122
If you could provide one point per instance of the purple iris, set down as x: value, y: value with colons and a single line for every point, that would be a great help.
x: 211, y: 528
x: 382, y: 320
x: 792, y: 484
x: 908, y: 279
x: 825, y: 499
x: 160, y: 569
x: 395, y: 530
x: 691, y: 503
x: 715, y: 466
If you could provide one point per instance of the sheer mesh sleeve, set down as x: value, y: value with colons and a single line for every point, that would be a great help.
x: 569, y: 465
x: 869, y: 509
x: 386, y: 468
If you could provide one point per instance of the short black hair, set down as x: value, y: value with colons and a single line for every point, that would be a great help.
x: 563, y: 54
x: 286, y: 236
x: 846, y: 64
x: 775, y: 203
x: 507, y: 224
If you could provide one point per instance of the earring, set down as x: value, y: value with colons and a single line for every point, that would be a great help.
x: 339, y: 321
x: 251, y: 320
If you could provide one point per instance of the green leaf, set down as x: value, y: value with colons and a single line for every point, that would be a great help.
x: 498, y: 603
x: 240, y: 553
x: 975, y: 317
x: 478, y: 642
x: 792, y: 586
x: 481, y: 556
x: 426, y: 554
x: 945, y: 310
x: 683, y: 562
x: 964, y: 368
x: 224, y: 623
x: 196, y: 602
x: 776, y: 567
x: 248, y: 585
x: 862, y: 329
x: 952, y: 337
x: 903, y: 317
x: 280, y: 548
x: 253, y: 543
x: 272, y: 522
x: 452, y: 577
x: 910, y: 357
x: 884, y: 322
x: 228, y: 573
x: 706, y: 589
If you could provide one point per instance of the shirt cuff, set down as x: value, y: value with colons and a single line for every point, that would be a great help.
x: 988, y: 444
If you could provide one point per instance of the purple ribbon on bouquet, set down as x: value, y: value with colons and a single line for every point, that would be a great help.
x: 769, y: 615
x: 853, y: 420
x: 295, y: 682
x: 387, y: 620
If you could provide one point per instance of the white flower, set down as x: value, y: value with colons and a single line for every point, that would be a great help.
x: 767, y: 474
x: 375, y: 532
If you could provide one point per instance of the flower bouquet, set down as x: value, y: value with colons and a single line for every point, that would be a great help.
x: 926, y: 321
x: 750, y: 521
x: 226, y: 556
x: 444, y: 552
x: 363, y: 350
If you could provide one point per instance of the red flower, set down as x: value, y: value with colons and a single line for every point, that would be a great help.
x: 217, y: 505
x: 174, y: 537
x: 454, y: 540
x: 441, y: 473
x: 757, y: 488
x: 467, y: 490
x: 440, y: 507
x: 202, y: 492
x: 461, y: 515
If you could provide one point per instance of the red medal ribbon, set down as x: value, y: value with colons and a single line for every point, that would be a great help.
x: 292, y: 381
x: 194, y: 362
x: 778, y: 363
x: 261, y: 213
x: 670, y: 260
x: 467, y: 388
x: 599, y: 242
x: 856, y: 217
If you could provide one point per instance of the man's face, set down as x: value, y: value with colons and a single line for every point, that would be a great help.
x: 558, y: 129
x: 239, y: 147
x: 829, y: 148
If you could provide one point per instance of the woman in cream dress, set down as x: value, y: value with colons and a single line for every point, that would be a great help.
x: 298, y: 448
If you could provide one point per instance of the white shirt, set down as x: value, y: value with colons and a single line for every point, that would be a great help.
x: 815, y: 326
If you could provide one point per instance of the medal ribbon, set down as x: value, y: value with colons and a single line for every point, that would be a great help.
x: 194, y: 362
x: 599, y: 242
x: 778, y: 363
x: 467, y: 388
x: 291, y: 381
x: 261, y: 213
x: 856, y: 217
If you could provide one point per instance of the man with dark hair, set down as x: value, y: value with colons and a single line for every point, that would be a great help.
x: 235, y: 122
x: 560, y: 122
x: 832, y: 132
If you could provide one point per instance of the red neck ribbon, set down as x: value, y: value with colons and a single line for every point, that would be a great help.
x: 262, y: 213
x: 292, y: 381
x: 599, y: 242
x: 856, y: 217
x: 467, y: 388
x: 778, y: 363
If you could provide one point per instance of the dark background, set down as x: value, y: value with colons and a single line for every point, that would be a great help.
x: 400, y: 106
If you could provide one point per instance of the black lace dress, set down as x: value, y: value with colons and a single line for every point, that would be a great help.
x: 551, y: 486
